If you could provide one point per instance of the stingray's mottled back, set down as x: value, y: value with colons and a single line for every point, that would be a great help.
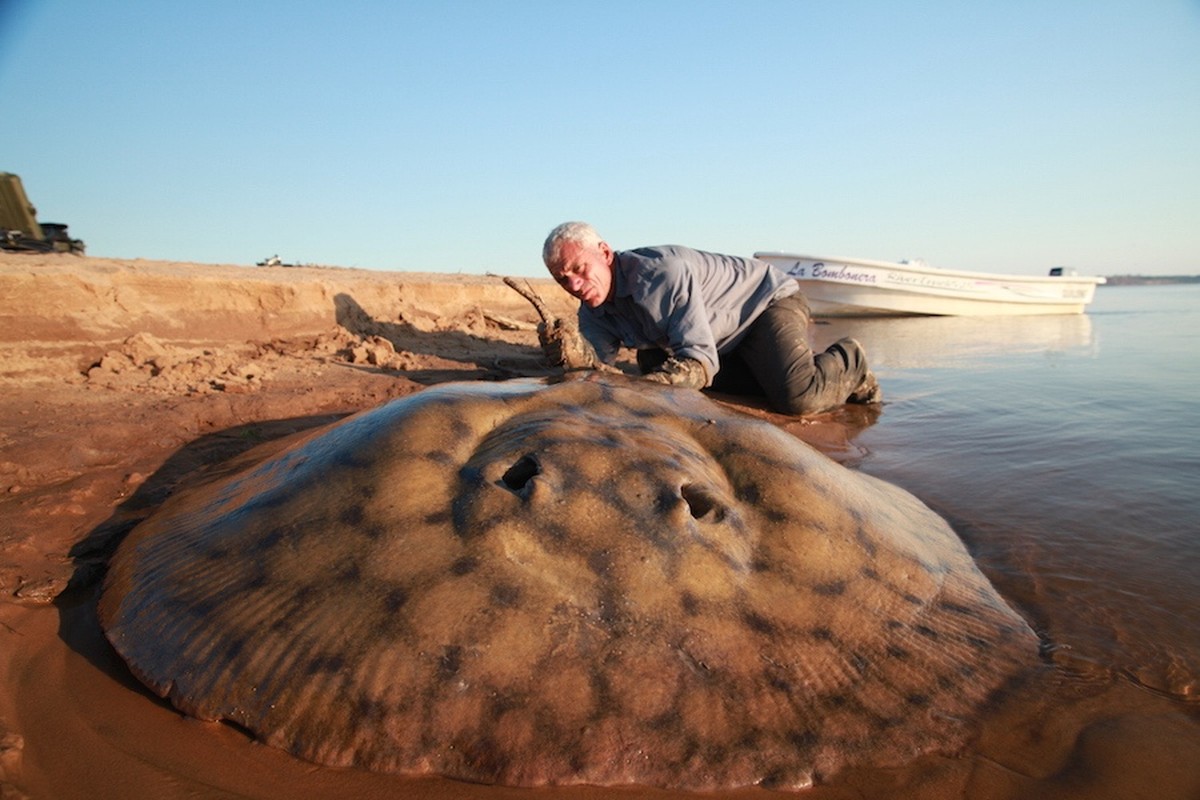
x: 598, y: 581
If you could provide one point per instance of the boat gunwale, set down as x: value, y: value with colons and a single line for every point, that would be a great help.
x: 996, y: 277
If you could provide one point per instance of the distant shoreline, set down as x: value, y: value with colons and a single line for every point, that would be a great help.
x: 1149, y: 280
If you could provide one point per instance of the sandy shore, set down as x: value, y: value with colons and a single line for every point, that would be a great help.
x: 119, y: 379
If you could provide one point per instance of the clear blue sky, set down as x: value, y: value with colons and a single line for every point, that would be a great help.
x: 452, y: 136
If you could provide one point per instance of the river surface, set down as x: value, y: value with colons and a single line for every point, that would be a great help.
x: 1066, y: 451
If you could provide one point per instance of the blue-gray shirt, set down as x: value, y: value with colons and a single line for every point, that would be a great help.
x: 687, y: 302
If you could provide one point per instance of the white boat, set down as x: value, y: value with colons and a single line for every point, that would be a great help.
x: 855, y: 287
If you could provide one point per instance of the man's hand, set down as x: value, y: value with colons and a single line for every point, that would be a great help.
x: 565, y: 346
x: 687, y: 372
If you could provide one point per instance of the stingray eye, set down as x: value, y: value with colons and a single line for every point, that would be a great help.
x: 702, y: 503
x: 518, y: 476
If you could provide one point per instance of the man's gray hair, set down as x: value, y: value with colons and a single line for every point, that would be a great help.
x: 579, y: 232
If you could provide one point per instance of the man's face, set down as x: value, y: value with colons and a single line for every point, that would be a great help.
x: 585, y: 272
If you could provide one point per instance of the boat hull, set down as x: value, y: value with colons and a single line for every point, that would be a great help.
x: 846, y: 287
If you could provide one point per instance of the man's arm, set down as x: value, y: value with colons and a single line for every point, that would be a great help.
x: 674, y: 299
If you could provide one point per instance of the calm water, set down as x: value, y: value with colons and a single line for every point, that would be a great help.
x: 1066, y: 451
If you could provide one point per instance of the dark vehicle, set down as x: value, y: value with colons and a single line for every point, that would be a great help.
x: 19, y: 228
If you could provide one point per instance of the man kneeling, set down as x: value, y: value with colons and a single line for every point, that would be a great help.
x: 700, y: 319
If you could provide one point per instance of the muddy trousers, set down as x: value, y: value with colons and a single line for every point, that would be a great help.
x: 774, y: 360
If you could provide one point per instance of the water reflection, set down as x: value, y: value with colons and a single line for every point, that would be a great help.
x: 922, y: 342
x: 1063, y: 450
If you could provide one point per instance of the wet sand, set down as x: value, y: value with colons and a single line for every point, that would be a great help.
x: 122, y: 378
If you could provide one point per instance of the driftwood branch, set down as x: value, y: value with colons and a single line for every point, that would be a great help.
x: 529, y: 294
x: 559, y: 336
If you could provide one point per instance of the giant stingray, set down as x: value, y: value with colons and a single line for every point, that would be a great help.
x: 597, y: 581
